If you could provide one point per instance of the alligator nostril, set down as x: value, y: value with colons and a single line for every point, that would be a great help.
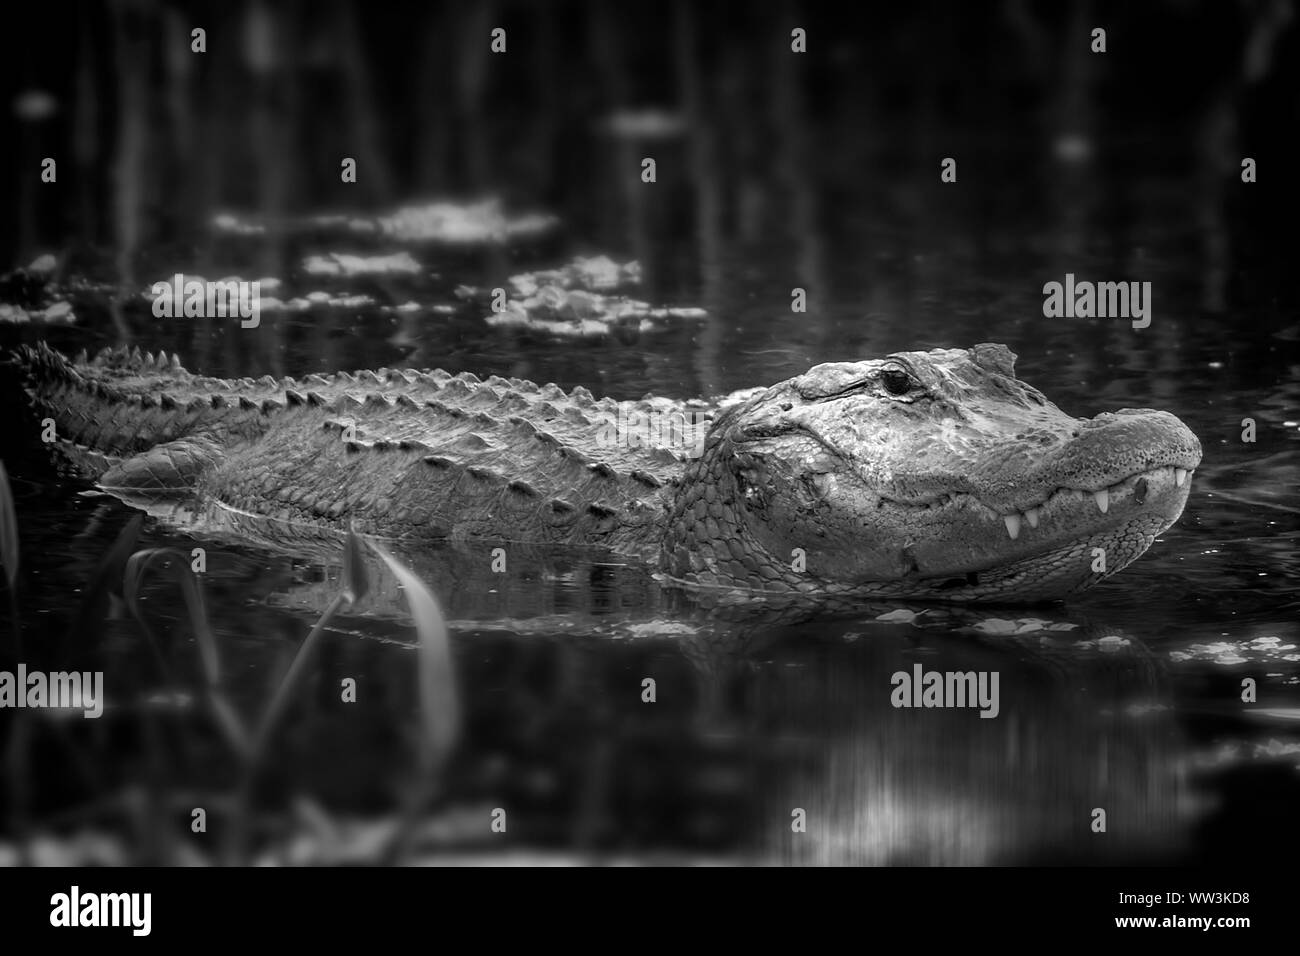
x: 1140, y: 490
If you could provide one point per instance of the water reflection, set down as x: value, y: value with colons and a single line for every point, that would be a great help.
x: 1079, y: 731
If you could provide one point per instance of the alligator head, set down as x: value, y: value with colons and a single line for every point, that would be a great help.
x: 925, y: 474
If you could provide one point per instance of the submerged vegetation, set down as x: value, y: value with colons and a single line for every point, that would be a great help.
x: 214, y: 793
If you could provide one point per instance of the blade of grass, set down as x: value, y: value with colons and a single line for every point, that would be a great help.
x: 17, y: 778
x: 439, y: 700
x: 354, y: 586
x: 107, y: 578
x: 255, y: 752
x: 440, y: 717
x: 133, y: 576
x: 8, y: 530
x: 231, y: 726
x: 223, y: 713
x: 291, y: 678
x: 9, y: 554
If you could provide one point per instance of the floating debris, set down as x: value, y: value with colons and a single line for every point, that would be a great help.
x: 342, y: 264
x: 225, y: 222
x: 315, y: 300
x: 30, y: 295
x: 645, y: 124
x: 1240, y: 751
x: 579, y: 313
x: 563, y: 301
x: 1027, y: 625
x: 593, y: 273
x: 1108, y: 644
x: 584, y: 273
x: 28, y: 288
x: 1230, y: 653
x: 463, y: 223
x: 43, y: 264
x: 59, y: 312
x: 409, y: 308
x: 481, y: 222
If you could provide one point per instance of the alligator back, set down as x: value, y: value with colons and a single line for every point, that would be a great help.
x: 393, y: 453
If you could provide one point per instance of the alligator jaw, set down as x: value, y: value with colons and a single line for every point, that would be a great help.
x: 1163, y: 489
x: 1066, y: 544
x: 1072, y: 544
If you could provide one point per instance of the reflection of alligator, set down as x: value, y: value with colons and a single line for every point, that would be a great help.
x: 923, y: 475
x: 1082, y: 727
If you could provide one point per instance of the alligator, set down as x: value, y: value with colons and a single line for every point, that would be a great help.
x: 934, y: 475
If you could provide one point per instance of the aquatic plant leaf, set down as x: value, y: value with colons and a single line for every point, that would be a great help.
x: 439, y: 699
x: 8, y: 530
x: 180, y: 570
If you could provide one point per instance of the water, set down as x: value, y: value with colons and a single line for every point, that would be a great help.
x: 1127, y: 700
x: 1131, y: 706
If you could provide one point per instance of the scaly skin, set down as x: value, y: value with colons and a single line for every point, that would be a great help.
x: 922, y: 475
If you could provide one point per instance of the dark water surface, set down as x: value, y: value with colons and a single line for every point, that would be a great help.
x: 1127, y: 699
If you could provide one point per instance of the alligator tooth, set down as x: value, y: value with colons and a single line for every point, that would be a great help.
x: 1013, y: 525
x: 1180, y: 475
x: 1103, y: 499
x: 1031, y: 515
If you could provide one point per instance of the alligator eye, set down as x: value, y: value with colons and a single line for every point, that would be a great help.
x: 896, y: 381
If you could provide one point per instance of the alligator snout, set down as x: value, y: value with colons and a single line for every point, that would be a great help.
x: 1116, y: 445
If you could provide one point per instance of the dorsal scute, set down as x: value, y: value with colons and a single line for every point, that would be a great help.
x: 539, y: 434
